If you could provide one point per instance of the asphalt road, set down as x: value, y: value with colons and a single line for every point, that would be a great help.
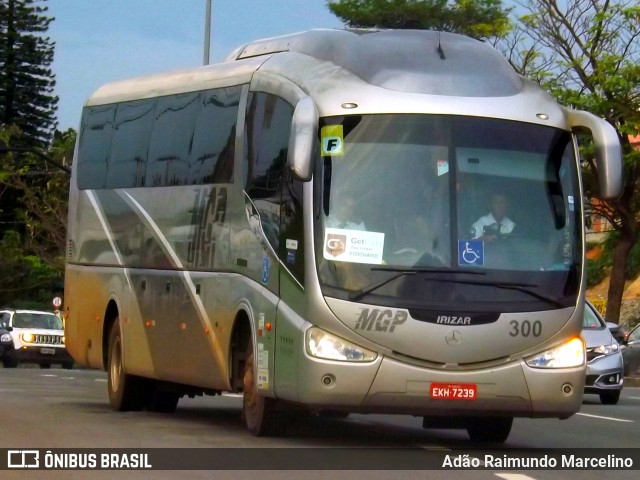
x: 57, y: 409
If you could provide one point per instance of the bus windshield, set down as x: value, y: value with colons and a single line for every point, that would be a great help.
x: 422, y: 211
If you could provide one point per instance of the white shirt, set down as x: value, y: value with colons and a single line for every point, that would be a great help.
x: 477, y: 229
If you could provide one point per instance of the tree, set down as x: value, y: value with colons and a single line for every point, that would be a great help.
x: 26, y: 79
x: 587, y: 54
x: 27, y: 102
x: 479, y: 19
x: 33, y: 248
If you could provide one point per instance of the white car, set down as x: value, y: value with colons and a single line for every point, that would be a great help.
x: 36, y: 337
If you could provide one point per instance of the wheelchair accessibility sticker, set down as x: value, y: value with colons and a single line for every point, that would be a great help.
x: 471, y: 252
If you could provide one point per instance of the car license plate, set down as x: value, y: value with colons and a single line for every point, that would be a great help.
x: 453, y: 391
x: 48, y: 351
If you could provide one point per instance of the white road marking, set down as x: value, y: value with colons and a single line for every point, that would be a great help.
x: 232, y: 395
x: 605, y: 418
x: 634, y: 398
x: 513, y: 476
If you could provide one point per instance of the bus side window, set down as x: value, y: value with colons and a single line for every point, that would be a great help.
x: 291, y: 228
x: 213, y: 150
x: 170, y: 143
x: 268, y: 128
x: 127, y: 162
x: 95, y: 145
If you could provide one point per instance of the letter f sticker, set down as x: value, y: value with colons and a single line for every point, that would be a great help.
x: 332, y: 140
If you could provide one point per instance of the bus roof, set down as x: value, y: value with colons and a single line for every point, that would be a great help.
x: 412, y: 61
x: 378, y: 71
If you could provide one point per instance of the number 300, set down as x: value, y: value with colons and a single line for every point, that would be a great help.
x: 525, y: 328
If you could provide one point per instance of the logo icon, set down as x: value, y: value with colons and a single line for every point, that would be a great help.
x: 23, y: 459
x: 471, y: 252
x: 336, y: 244
x: 453, y: 338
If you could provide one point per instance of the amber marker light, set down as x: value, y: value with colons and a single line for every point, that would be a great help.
x: 267, y: 326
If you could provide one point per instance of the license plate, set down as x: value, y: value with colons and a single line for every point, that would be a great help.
x: 48, y: 351
x: 453, y: 391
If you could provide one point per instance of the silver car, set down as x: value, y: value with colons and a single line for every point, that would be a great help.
x: 605, y: 368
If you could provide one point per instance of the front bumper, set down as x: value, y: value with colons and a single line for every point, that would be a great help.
x: 605, y: 373
x: 38, y: 354
x: 388, y: 385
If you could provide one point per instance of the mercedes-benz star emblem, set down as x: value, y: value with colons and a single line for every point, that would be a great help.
x: 454, y: 337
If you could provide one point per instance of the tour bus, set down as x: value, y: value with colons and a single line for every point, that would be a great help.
x: 303, y: 224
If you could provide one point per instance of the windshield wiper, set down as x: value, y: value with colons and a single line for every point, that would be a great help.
x: 520, y: 287
x: 400, y: 271
x: 353, y: 296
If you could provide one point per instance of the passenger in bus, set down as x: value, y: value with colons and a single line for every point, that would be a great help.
x: 496, y: 223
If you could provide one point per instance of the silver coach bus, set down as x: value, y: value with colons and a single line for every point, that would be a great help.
x: 312, y: 223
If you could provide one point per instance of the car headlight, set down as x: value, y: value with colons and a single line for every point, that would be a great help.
x: 569, y: 354
x: 5, y: 337
x: 607, y: 349
x: 27, y: 337
x: 321, y: 344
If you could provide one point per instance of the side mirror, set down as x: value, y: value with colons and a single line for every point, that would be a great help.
x: 303, y: 140
x: 607, y: 150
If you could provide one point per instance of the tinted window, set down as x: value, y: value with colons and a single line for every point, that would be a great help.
x: 214, y: 137
x: 591, y: 320
x: 267, y: 141
x: 169, y: 149
x: 94, y: 145
x: 133, y: 124
x: 291, y: 228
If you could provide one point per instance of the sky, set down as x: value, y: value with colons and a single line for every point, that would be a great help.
x: 99, y: 41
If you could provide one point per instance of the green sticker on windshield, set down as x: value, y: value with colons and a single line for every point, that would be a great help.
x: 332, y: 140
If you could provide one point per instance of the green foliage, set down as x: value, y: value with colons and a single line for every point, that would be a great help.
x: 26, y: 80
x: 32, y: 248
x: 595, y: 272
x: 26, y: 279
x: 480, y: 19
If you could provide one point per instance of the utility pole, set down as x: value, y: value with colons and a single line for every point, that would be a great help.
x: 207, y: 33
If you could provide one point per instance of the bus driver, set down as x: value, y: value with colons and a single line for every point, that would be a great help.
x: 495, y: 223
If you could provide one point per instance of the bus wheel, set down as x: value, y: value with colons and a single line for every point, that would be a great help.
x: 490, y: 429
x: 162, y: 401
x: 126, y: 392
x: 258, y: 412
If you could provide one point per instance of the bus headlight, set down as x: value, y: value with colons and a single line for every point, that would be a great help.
x: 321, y: 344
x: 569, y: 354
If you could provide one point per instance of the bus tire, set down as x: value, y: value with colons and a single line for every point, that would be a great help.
x: 162, y: 401
x: 259, y: 413
x: 489, y: 429
x: 126, y: 392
